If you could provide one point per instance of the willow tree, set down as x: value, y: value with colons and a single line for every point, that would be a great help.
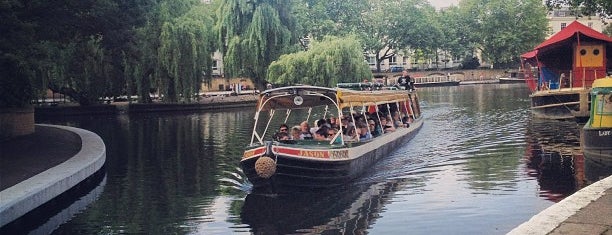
x: 327, y: 63
x: 253, y: 34
x: 185, y: 55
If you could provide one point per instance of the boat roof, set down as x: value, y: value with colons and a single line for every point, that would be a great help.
x: 311, y: 96
x: 568, y: 35
x: 602, y: 85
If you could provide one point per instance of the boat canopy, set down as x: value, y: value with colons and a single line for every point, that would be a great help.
x: 297, y: 97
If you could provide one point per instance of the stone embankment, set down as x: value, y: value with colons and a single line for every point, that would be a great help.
x: 205, y: 103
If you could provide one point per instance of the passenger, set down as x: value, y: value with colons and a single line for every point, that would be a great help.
x: 397, y: 122
x: 321, y: 133
x: 305, y: 131
x: 283, y: 136
x: 350, y: 134
x: 333, y: 123
x: 282, y: 129
x: 318, y: 124
x: 295, y: 132
x: 386, y: 125
x: 406, y: 121
x: 364, y: 134
x: 374, y: 129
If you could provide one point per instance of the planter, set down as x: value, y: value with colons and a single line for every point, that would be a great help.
x: 16, y: 122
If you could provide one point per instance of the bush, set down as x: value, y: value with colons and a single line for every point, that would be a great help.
x: 15, y: 88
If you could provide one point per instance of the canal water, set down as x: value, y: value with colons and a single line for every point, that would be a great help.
x: 479, y: 165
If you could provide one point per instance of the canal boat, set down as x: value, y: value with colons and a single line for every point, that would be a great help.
x: 436, y: 81
x: 597, y: 132
x: 514, y: 76
x: 567, y: 64
x: 293, y: 165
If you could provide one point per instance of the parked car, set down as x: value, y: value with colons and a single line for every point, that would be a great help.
x: 395, y: 69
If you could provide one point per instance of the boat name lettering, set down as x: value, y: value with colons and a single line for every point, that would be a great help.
x: 338, y: 154
x: 605, y: 133
x: 248, y: 154
x: 317, y: 154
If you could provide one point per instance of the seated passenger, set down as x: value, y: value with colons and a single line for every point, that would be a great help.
x: 406, y: 121
x: 282, y: 129
x: 374, y: 129
x: 321, y: 133
x: 283, y: 136
x: 305, y: 131
x: 364, y: 134
x: 387, y: 126
x: 295, y: 132
x: 397, y: 122
x: 350, y: 134
x: 334, y: 123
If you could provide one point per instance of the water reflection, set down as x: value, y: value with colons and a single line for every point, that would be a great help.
x: 62, y: 208
x: 349, y: 210
x: 163, y: 168
x: 553, y: 156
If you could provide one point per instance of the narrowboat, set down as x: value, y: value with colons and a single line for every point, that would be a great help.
x: 597, y: 132
x: 567, y: 64
x: 514, y: 76
x: 285, y: 165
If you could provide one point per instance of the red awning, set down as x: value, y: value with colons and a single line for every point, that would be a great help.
x: 530, y: 54
x: 569, y: 32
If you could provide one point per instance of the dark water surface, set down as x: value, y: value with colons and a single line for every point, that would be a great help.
x: 479, y: 165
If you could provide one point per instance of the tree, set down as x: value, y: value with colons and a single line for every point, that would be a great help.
x: 458, y: 39
x: 506, y: 29
x: 602, y: 8
x: 319, y: 18
x: 252, y: 34
x: 326, y: 63
x: 185, y: 54
x: 608, y: 30
x: 394, y: 26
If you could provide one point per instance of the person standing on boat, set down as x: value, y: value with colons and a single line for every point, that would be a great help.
x: 405, y: 81
x: 564, y: 81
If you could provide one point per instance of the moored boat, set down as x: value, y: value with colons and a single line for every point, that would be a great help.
x: 297, y: 164
x: 514, y: 76
x: 436, y: 81
x: 567, y: 64
x: 597, y: 132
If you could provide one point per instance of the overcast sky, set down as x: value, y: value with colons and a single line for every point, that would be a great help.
x: 443, y: 3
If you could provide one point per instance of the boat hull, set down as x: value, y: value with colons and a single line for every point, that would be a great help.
x: 512, y: 80
x: 300, y: 168
x: 561, y: 104
x: 437, y: 84
x: 597, y: 144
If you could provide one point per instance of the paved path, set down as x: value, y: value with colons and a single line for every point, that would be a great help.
x: 41, y: 166
x: 588, y: 211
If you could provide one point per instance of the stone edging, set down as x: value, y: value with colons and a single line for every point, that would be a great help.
x: 23, y: 197
x: 550, y: 218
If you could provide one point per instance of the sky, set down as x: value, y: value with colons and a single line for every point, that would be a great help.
x: 443, y: 3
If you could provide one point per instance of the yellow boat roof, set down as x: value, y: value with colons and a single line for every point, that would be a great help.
x: 603, y: 82
x: 310, y: 96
